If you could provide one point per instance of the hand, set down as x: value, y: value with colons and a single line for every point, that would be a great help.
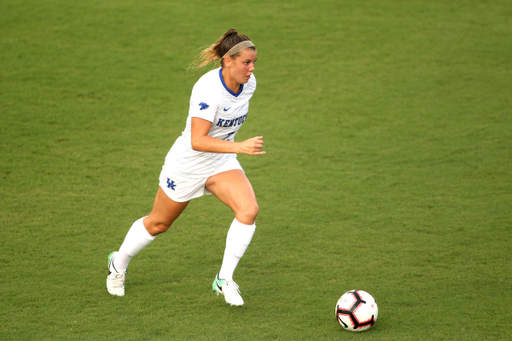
x: 252, y: 146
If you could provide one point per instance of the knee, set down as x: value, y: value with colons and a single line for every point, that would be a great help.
x: 254, y: 211
x: 155, y: 227
x: 248, y: 213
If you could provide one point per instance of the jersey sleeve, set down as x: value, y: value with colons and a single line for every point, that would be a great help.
x: 203, y: 102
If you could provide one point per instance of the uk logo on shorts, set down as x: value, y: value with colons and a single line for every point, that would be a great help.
x: 171, y: 184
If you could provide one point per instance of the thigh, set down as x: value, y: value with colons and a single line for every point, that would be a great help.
x: 235, y: 190
x: 165, y: 211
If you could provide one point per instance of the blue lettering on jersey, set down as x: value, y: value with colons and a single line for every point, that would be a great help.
x: 229, y: 135
x: 222, y: 122
x: 171, y: 184
x: 203, y: 106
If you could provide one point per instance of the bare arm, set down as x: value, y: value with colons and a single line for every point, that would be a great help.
x: 203, y: 143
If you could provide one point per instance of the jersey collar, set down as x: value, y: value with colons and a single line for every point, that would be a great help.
x: 227, y: 89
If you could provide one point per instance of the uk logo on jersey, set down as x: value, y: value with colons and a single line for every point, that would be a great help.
x: 171, y: 184
x: 203, y: 106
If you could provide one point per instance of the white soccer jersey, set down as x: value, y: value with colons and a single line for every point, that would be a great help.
x: 213, y: 101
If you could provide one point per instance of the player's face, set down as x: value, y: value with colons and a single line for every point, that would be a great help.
x: 241, y: 67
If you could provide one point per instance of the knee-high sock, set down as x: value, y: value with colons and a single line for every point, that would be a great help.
x: 238, y: 239
x: 135, y: 241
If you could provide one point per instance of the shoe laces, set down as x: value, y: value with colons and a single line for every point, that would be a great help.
x: 117, y: 279
x: 231, y: 288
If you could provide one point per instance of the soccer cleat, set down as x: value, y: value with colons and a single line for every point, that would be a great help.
x: 115, y: 280
x: 230, y: 291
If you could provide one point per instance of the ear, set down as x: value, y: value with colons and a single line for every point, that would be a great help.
x: 228, y: 61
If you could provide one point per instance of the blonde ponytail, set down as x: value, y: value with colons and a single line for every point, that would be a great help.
x: 217, y: 51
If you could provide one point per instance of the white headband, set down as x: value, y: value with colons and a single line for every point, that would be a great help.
x: 238, y: 47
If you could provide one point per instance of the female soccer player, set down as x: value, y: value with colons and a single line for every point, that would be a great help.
x: 203, y: 161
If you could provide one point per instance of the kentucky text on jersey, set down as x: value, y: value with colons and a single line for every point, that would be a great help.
x: 229, y: 123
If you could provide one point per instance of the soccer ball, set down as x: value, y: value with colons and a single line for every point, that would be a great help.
x: 356, y: 311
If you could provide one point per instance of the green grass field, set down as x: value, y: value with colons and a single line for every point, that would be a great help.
x: 388, y: 131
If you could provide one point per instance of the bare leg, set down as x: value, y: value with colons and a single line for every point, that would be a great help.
x: 143, y: 231
x: 165, y: 211
x: 234, y: 189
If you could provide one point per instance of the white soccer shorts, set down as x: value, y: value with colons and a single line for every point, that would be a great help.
x: 180, y: 188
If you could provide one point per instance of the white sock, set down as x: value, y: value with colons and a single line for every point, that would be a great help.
x: 238, y: 239
x: 135, y: 241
